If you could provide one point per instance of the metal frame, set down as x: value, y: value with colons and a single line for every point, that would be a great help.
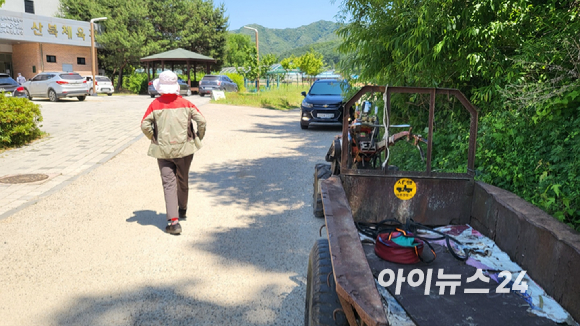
x: 346, y: 169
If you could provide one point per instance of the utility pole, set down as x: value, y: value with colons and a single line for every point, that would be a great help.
x: 257, y: 57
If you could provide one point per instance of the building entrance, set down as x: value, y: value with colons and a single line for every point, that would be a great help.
x: 6, y: 64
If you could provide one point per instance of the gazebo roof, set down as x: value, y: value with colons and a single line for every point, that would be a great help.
x: 178, y: 54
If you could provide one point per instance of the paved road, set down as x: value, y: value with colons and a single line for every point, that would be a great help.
x: 94, y: 252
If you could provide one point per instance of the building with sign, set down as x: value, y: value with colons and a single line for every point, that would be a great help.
x: 32, y: 40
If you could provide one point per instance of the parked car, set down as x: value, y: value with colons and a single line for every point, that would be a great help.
x: 216, y: 82
x: 102, y: 84
x: 10, y: 87
x: 322, y: 105
x: 184, y: 88
x: 56, y: 85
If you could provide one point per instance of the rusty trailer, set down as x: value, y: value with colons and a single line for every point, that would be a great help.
x: 346, y: 268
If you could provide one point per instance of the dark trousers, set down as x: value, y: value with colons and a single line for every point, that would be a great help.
x: 174, y: 176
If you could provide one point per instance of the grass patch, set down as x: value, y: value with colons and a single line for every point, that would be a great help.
x: 284, y: 98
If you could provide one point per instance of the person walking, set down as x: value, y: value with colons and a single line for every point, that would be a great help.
x: 168, y: 123
x: 20, y: 79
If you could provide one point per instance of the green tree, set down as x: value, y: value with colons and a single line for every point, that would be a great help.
x: 311, y: 63
x: 249, y: 66
x: 235, y: 52
x: 124, y: 32
x: 266, y: 62
x: 194, y: 25
x: 138, y: 28
x: 288, y: 64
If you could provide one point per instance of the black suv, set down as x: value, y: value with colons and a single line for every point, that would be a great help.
x: 216, y: 82
x: 322, y: 106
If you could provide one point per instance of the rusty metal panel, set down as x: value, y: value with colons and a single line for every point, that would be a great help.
x: 437, y: 201
x: 546, y: 248
x: 355, y: 284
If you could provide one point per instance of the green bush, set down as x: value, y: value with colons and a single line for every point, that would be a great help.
x: 19, y: 120
x: 238, y: 79
x: 136, y: 83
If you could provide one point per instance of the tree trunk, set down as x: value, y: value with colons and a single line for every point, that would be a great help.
x: 120, y: 79
x: 113, y: 78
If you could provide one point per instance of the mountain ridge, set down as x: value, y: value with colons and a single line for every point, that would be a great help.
x: 279, y: 41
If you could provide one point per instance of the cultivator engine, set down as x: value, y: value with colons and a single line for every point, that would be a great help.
x: 365, y: 144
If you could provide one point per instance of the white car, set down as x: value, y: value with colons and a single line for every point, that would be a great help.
x: 103, y: 85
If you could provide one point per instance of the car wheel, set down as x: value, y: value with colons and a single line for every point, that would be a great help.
x: 152, y: 96
x: 188, y: 92
x: 303, y: 126
x: 109, y: 94
x: 27, y: 94
x: 52, y: 96
x: 82, y: 98
x: 201, y: 94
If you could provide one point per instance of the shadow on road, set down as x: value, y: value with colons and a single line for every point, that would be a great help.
x: 276, y: 193
x: 148, y: 217
x: 167, y: 305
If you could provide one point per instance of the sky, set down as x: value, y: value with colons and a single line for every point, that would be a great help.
x: 278, y: 13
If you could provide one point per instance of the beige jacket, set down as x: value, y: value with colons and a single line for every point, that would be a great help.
x: 168, y: 123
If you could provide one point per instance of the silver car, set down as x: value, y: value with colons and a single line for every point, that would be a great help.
x: 56, y: 85
x: 216, y: 82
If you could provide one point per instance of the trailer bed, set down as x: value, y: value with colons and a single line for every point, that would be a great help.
x: 356, y: 268
x: 457, y: 309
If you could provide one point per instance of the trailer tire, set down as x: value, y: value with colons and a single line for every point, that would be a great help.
x: 322, y: 171
x: 321, y: 299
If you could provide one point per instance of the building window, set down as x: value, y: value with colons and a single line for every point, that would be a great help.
x: 29, y: 6
x: 50, y: 58
x: 81, y: 61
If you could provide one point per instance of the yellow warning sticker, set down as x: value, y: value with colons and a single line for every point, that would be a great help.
x: 405, y: 189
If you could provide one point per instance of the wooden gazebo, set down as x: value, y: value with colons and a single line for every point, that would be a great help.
x: 178, y: 57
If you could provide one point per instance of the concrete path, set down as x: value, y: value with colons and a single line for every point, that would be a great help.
x: 82, y: 135
x: 95, y: 251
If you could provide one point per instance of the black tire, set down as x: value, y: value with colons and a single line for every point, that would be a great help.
x: 201, y: 94
x: 303, y: 126
x: 335, y: 167
x: 27, y: 94
x: 333, y: 156
x: 321, y: 172
x: 109, y: 94
x: 81, y: 98
x: 152, y: 96
x: 321, y: 299
x: 52, y: 96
